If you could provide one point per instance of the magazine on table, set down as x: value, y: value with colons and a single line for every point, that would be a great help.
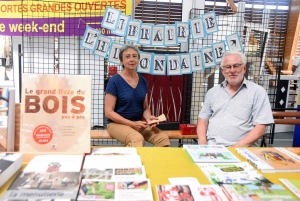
x: 130, y: 190
x: 270, y: 159
x: 232, y: 173
x: 210, y: 154
x: 293, y: 185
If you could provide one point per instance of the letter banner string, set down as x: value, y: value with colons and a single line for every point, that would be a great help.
x: 161, y: 35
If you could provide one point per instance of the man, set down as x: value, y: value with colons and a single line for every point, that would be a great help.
x: 296, y: 71
x: 236, y: 112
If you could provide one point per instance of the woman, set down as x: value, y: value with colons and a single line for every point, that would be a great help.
x: 126, y: 104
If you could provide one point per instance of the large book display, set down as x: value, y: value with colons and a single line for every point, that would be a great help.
x: 55, y: 113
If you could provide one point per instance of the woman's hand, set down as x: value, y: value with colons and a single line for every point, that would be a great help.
x: 151, y: 118
x: 139, y: 125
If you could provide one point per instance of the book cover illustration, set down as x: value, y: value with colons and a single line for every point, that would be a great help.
x: 264, y: 192
x: 130, y: 173
x: 232, y: 173
x: 134, y: 190
x: 208, y: 193
x: 114, y: 151
x: 210, y: 153
x: 55, y: 163
x: 174, y: 192
x: 55, y: 113
x: 293, y: 185
x: 44, y: 185
x: 270, y: 159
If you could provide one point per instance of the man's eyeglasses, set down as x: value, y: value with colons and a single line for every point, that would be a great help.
x: 234, y: 66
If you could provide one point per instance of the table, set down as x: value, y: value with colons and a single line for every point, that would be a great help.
x: 162, y: 163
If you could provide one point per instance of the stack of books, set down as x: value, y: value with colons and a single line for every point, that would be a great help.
x: 10, y: 163
x: 114, y: 174
x: 47, y: 177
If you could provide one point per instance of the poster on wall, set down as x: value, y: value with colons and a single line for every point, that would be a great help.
x: 56, y: 111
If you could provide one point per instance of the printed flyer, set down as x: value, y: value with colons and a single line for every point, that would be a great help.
x: 55, y: 113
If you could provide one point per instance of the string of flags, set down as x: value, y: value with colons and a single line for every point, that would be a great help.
x: 161, y: 35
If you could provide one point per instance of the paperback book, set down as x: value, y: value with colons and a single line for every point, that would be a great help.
x: 232, y: 173
x: 130, y: 190
x: 238, y: 192
x: 108, y: 161
x: 210, y: 154
x: 115, y: 151
x: 189, y: 192
x: 56, y: 113
x: 10, y: 163
x: 293, y: 185
x: 270, y: 159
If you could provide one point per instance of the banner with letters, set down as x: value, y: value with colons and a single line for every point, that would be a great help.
x: 161, y: 35
x: 56, y: 17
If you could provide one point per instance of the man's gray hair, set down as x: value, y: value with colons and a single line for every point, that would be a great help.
x: 242, y: 56
x: 126, y: 47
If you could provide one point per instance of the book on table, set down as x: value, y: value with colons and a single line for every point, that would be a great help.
x: 47, y: 177
x: 263, y: 192
x: 210, y: 154
x: 168, y: 192
x: 270, y: 159
x: 129, y: 190
x: 232, y: 173
x: 114, y: 151
x: 56, y: 113
x: 293, y: 185
x: 10, y: 163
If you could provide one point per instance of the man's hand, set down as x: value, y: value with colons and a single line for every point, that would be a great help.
x: 151, y: 118
x: 139, y: 125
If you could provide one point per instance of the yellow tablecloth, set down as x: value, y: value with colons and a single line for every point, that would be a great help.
x: 163, y: 163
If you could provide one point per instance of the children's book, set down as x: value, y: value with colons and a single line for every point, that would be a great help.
x: 130, y: 190
x: 293, y: 185
x: 270, y: 159
x: 210, y: 154
x: 232, y: 173
x: 56, y: 111
x: 114, y: 151
x: 263, y: 192
x: 189, y: 192
x: 55, y: 163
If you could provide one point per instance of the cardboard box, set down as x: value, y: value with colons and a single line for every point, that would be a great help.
x: 188, y: 129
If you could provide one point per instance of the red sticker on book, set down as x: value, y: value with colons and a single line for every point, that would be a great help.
x: 42, y: 134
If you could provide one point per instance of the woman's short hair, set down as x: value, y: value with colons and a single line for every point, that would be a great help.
x: 242, y: 56
x: 126, y: 47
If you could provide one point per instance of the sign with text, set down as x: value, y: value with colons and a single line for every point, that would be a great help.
x: 56, y: 112
x: 55, y: 18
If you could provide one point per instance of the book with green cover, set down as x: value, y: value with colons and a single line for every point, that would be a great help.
x: 293, y: 185
x: 261, y: 192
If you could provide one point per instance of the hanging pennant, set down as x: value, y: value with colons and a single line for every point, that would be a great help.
x: 234, y: 43
x: 158, y: 35
x: 146, y: 34
x: 145, y: 63
x: 121, y: 29
x: 218, y: 50
x: 173, y: 65
x: 159, y: 64
x: 197, y: 28
x: 102, y: 46
x: 171, y: 35
x: 114, y: 52
x: 210, y: 22
x: 134, y: 30
x: 111, y: 18
x: 183, y: 31
x: 196, y: 61
x: 89, y: 38
x: 186, y: 66
x: 208, y: 57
